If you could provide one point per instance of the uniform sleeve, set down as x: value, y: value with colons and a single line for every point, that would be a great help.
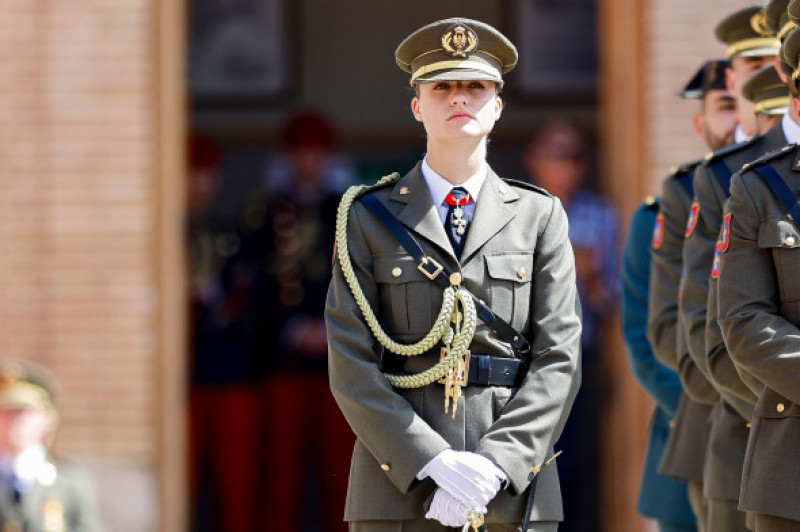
x: 660, y: 382
x: 382, y: 419
x: 720, y: 367
x: 665, y: 275
x: 533, y: 419
x: 757, y: 336
x: 83, y: 506
x: 697, y: 256
x: 735, y: 384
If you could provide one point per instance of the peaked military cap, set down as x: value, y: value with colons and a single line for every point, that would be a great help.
x: 793, y: 10
x: 780, y: 24
x: 456, y: 49
x: 747, y: 34
x: 24, y: 384
x: 777, y: 16
x: 767, y: 91
x: 710, y: 75
x: 790, y: 50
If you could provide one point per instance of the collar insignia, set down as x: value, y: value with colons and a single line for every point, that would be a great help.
x: 459, y: 40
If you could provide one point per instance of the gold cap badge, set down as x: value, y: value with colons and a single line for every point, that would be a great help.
x: 759, y: 24
x: 459, y: 40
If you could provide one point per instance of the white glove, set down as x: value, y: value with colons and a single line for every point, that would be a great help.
x: 448, y: 510
x: 471, y: 478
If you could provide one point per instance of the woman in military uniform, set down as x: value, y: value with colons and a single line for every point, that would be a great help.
x: 402, y: 318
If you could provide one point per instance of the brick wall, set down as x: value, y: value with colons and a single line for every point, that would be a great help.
x: 77, y: 211
x: 680, y: 35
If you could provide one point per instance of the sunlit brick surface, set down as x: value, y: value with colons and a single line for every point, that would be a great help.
x: 77, y: 211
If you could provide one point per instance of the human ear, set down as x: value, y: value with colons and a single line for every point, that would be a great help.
x: 416, y: 110
x: 730, y: 83
x: 498, y: 106
x: 777, y: 64
x: 795, y: 103
x: 699, y: 123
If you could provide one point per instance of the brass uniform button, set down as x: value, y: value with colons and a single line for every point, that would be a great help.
x: 386, y: 467
x: 748, y: 424
x: 781, y: 407
x: 789, y: 240
x: 521, y: 272
x: 403, y: 191
x: 455, y: 278
x: 397, y: 272
x: 672, y: 423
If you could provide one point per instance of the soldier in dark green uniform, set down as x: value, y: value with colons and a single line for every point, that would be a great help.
x: 748, y: 47
x: 430, y: 454
x: 38, y: 493
x: 683, y: 454
x: 758, y: 317
x: 662, y: 497
x: 767, y: 98
x: 729, y: 427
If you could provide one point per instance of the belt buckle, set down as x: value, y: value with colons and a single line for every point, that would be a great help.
x: 437, y: 268
x: 461, y: 378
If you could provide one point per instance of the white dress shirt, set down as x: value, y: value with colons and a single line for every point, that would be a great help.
x: 440, y: 187
x: 739, y: 135
x: 791, y: 129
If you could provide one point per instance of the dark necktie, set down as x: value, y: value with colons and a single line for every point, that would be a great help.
x: 456, y: 223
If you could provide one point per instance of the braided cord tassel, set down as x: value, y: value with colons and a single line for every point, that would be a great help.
x: 457, y: 340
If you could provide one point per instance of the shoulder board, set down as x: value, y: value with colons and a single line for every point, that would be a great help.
x: 730, y: 148
x: 651, y: 203
x: 383, y: 182
x: 769, y: 156
x: 529, y: 186
x: 677, y: 171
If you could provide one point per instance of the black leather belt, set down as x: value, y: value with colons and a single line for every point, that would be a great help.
x: 484, y: 370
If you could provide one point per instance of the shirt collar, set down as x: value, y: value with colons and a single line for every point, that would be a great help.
x: 791, y: 129
x: 28, y: 463
x: 739, y: 135
x: 440, y: 187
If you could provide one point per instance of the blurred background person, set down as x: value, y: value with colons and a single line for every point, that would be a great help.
x: 557, y: 158
x: 223, y: 347
x: 38, y: 492
x: 306, y: 441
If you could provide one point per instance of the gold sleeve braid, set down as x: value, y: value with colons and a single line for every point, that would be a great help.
x: 458, y: 309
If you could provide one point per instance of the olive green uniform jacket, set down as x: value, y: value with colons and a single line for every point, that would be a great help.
x: 685, y: 447
x: 759, y: 314
x: 518, y: 259
x: 60, y: 500
x: 729, y: 427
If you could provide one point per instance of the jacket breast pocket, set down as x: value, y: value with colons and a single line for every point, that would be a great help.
x: 782, y: 238
x: 406, y: 296
x: 510, y: 279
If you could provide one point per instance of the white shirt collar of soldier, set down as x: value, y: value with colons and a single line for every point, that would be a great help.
x: 440, y: 187
x: 791, y: 129
x: 739, y: 135
x: 28, y: 464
